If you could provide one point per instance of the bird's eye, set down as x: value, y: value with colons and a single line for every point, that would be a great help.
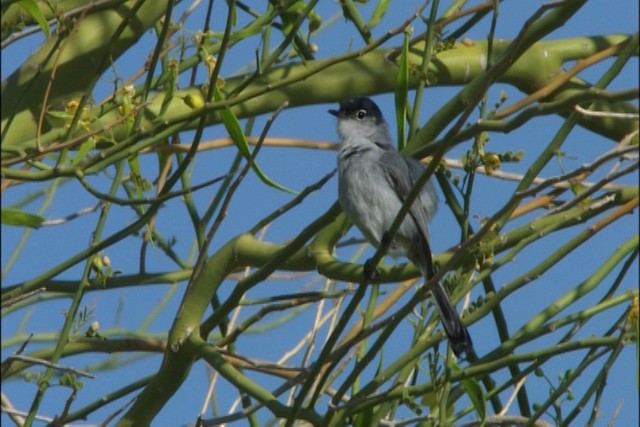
x: 361, y: 114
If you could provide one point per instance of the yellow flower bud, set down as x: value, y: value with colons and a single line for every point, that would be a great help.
x: 130, y: 90
x: 194, y: 101
x: 97, y: 263
x: 72, y: 106
x: 491, y: 162
x: 95, y: 326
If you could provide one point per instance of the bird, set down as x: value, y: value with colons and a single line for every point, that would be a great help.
x: 374, y: 180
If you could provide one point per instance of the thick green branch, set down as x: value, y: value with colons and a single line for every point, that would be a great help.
x: 328, y: 80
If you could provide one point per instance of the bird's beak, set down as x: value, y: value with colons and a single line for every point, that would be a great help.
x: 334, y: 112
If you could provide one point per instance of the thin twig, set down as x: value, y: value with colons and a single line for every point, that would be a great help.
x: 70, y: 217
x: 512, y: 396
x: 507, y: 420
x: 223, y: 209
x: 147, y: 200
x: 607, y: 114
x: 559, y: 81
x: 252, y: 140
x: 22, y: 297
x: 81, y: 10
x: 6, y: 364
x: 35, y: 361
x: 591, y: 190
x: 618, y: 151
x: 296, y: 201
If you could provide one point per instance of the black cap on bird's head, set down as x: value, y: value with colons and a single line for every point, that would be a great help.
x: 358, y: 108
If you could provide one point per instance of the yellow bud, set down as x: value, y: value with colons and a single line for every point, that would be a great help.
x: 634, y: 312
x: 97, y: 263
x: 314, y: 21
x: 95, y: 326
x: 130, y: 90
x: 71, y: 106
x: 491, y: 162
x: 210, y: 62
x: 194, y: 101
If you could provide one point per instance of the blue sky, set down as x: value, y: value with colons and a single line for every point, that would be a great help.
x: 297, y: 168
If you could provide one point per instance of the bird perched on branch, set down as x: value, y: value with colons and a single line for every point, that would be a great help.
x: 374, y: 181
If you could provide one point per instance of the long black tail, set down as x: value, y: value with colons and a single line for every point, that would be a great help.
x: 420, y: 255
x: 458, y: 335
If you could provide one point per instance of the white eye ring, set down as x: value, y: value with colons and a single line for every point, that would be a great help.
x: 361, y: 114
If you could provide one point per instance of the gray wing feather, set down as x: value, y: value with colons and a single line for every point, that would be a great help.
x: 402, y: 173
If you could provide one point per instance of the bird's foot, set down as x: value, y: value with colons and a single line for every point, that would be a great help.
x: 385, y: 241
x: 371, y: 270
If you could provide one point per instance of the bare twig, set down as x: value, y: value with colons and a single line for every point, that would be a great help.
x: 147, y: 200
x: 34, y: 361
x: 70, y: 217
x: 559, y: 81
x: 512, y: 396
x: 223, y: 209
x: 6, y: 364
x: 608, y: 114
x: 507, y: 420
x: 21, y: 297
x: 73, y: 13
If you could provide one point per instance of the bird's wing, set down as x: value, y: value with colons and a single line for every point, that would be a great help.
x: 402, y: 173
x: 428, y: 192
x: 398, y: 173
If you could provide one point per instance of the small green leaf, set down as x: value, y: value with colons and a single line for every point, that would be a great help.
x: 31, y: 7
x: 378, y: 13
x: 402, y: 87
x: 364, y: 418
x: 59, y: 115
x: 432, y: 401
x: 255, y: 27
x: 20, y: 218
x: 170, y: 86
x: 232, y: 125
x: 71, y: 380
x: 315, y: 21
x: 290, y: 16
x: 577, y: 187
x: 85, y: 147
x: 67, y: 379
x: 637, y: 326
x: 136, y: 175
x: 474, y: 391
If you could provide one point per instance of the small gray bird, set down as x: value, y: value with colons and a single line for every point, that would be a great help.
x: 373, y: 181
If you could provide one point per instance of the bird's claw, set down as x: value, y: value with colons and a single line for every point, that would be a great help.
x: 371, y: 270
x: 385, y: 241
